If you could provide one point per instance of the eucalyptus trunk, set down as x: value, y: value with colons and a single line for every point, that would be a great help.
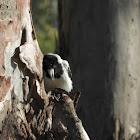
x: 101, y: 41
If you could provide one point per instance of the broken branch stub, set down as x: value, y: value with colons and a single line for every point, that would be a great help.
x: 66, y: 121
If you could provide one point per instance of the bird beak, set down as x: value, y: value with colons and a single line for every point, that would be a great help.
x: 51, y: 73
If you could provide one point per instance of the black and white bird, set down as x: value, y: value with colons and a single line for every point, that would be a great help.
x: 57, y: 73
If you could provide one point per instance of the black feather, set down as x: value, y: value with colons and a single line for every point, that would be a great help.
x: 50, y: 61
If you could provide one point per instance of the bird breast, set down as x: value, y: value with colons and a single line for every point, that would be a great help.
x: 64, y: 82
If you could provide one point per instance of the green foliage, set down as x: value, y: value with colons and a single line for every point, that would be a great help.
x: 45, y: 23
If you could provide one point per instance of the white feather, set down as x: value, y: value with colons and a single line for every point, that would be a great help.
x: 64, y: 82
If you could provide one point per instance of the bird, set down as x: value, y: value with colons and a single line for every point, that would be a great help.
x: 57, y: 73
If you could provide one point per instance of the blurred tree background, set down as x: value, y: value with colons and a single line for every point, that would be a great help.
x: 45, y: 23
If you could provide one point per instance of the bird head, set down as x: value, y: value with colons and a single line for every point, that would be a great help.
x: 52, y: 65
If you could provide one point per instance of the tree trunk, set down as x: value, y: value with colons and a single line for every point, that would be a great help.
x: 126, y: 57
x: 20, y: 68
x: 101, y: 41
x: 25, y: 107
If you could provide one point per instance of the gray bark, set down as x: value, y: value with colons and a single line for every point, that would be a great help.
x: 101, y: 41
x: 126, y: 82
x: 82, y: 29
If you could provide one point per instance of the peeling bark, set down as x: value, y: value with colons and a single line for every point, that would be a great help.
x: 21, y: 69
